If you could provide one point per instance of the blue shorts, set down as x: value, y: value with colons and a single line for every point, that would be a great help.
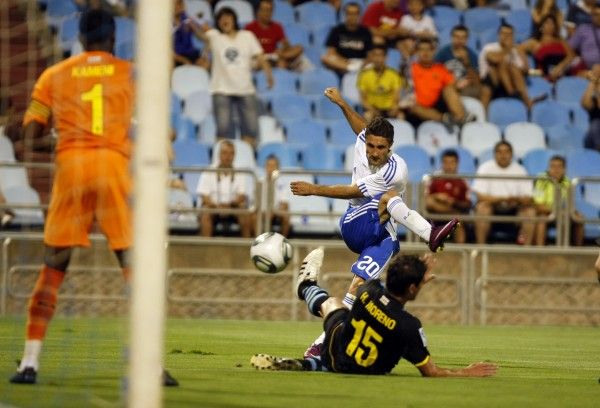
x: 364, y: 235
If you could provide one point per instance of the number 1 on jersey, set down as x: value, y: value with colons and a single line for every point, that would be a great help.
x: 94, y: 96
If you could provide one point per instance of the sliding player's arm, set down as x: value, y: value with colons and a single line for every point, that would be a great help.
x: 482, y: 369
x: 302, y: 188
x: 356, y: 122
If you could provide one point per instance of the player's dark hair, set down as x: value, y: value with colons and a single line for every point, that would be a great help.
x: 382, y: 128
x: 450, y: 153
x: 460, y: 27
x: 223, y: 11
x: 560, y: 159
x: 403, y: 271
x: 96, y: 26
x: 503, y: 143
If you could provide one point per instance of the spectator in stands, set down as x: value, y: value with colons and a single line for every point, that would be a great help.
x: 552, y: 55
x: 271, y: 35
x: 543, y: 9
x: 579, y: 12
x: 233, y: 51
x: 462, y: 62
x: 503, y: 197
x: 449, y: 195
x: 591, y: 103
x: 585, y: 42
x: 6, y: 215
x: 544, y: 198
x: 436, y: 97
x: 383, y: 19
x: 224, y: 189
x: 276, y: 193
x: 348, y: 43
x: 416, y: 22
x: 379, y: 87
x: 184, y: 29
x: 503, y: 67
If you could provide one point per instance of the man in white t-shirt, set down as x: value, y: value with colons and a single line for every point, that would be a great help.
x: 224, y: 189
x: 503, y: 197
x: 503, y: 67
x: 416, y: 22
x: 279, y: 200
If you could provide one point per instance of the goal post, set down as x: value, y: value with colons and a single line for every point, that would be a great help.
x: 147, y: 312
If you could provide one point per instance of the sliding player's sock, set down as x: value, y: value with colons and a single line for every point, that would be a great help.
x: 349, y: 300
x: 314, y: 296
x: 409, y: 218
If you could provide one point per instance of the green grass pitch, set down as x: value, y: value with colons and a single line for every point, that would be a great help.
x: 83, y: 365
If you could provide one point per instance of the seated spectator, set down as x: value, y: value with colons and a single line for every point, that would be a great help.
x: 271, y: 36
x: 416, y: 22
x: 590, y: 102
x: 553, y: 55
x: 379, y: 87
x: 503, y: 67
x: 585, y: 43
x: 279, y: 200
x: 544, y: 196
x: 543, y: 9
x: 436, y: 97
x: 175, y: 181
x: 383, y: 19
x: 462, y: 62
x: 348, y: 43
x: 579, y: 12
x: 449, y: 195
x: 184, y: 29
x: 224, y: 189
x: 503, y: 197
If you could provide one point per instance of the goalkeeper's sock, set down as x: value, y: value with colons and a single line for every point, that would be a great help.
x: 349, y: 300
x: 31, y: 355
x: 409, y: 218
x: 314, y: 296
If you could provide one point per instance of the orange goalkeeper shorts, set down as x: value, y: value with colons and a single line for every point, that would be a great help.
x: 89, y: 184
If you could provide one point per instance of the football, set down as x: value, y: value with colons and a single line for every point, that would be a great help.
x: 271, y: 252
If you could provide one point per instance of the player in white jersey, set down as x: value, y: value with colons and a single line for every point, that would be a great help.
x: 376, y: 171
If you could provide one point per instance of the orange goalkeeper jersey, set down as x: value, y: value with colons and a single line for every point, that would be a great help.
x: 90, y: 97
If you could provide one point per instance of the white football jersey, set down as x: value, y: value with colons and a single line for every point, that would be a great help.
x: 371, y: 181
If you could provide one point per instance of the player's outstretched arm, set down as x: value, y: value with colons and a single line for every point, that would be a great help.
x: 302, y: 188
x: 481, y: 369
x: 356, y: 122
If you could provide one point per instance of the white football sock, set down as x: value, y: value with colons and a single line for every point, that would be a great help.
x: 349, y: 300
x: 409, y: 218
x: 31, y: 355
x: 319, y: 340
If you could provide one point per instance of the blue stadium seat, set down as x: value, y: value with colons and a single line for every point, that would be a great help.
x: 484, y: 156
x: 125, y: 30
x: 588, y: 210
x: 316, y: 14
x: 57, y: 10
x: 580, y: 117
x: 191, y: 153
x: 404, y: 132
x: 478, y: 137
x: 326, y: 110
x: 340, y: 133
x: 504, y: 111
x: 520, y: 19
x: 549, y: 113
x: 243, y: 10
x: 197, y: 106
x: 68, y: 31
x: 538, y: 86
x: 185, y: 129
x: 323, y: 157
x: 309, y: 222
x: 175, y: 109
x: 485, y: 37
x: 524, y: 136
x: 24, y: 194
x: 7, y: 150
x: 199, y: 9
x: 349, y: 89
x: 306, y: 131
x: 288, y: 157
x: 314, y: 53
x: 536, y: 161
x: 125, y: 50
x: 433, y: 137
x: 445, y: 17
x: 563, y: 138
x: 283, y: 13
x: 480, y: 19
x: 570, y: 89
x: 318, y: 35
x: 417, y: 161
x: 466, y: 161
x: 187, y: 79
x: 298, y: 34
x: 583, y: 163
x: 330, y: 180
x: 313, y: 83
x: 474, y: 107
x: 285, y: 82
x: 289, y: 108
x: 393, y: 58
x: 180, y: 220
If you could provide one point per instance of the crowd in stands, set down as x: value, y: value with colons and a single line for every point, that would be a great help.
x: 478, y: 87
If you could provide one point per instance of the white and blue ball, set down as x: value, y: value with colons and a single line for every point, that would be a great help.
x: 271, y: 252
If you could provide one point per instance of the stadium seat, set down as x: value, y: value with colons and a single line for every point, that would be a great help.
x: 268, y: 131
x: 484, y: 156
x: 570, y: 89
x: 513, y: 4
x: 340, y: 133
x: 484, y: 37
x: 504, y: 111
x: 310, y: 222
x: 466, y: 161
x: 185, y: 129
x: 404, y: 132
x: 288, y: 157
x: 563, y: 138
x: 24, y: 194
x: 181, y: 220
x: 197, y: 106
x: 7, y: 151
x: 187, y: 79
x: 313, y: 83
x: 588, y: 210
x: 191, y: 153
x: 536, y: 161
x: 583, y: 163
x: 549, y: 113
x: 417, y: 160
x: 199, y: 9
x: 283, y: 13
x: 13, y: 177
x: 477, y: 137
x: 350, y: 91
x: 176, y: 109
x: 393, y: 58
x: 323, y: 157
x: 284, y: 82
x: 313, y: 53
x: 445, y: 17
x: 349, y: 158
x: 474, y: 107
x: 480, y: 19
x: 207, y: 133
x: 315, y: 14
x: 244, y: 155
x: 318, y: 35
x: 68, y: 31
x: 520, y: 19
x: 433, y: 137
x: 289, y: 108
x: 538, y: 86
x: 331, y: 180
x: 326, y: 110
x: 298, y: 34
x: 125, y: 50
x: 580, y: 117
x: 524, y: 136
x: 243, y: 10
x: 125, y: 30
x: 306, y: 132
x: 58, y: 10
